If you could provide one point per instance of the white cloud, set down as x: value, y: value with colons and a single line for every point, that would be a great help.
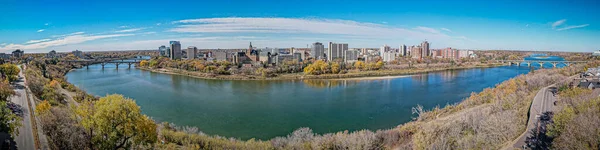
x: 71, y: 39
x: 2, y: 44
x: 37, y: 41
x: 427, y: 29
x: 41, y: 30
x: 286, y: 26
x: 74, y: 33
x: 446, y: 29
x: 158, y: 24
x: 558, y: 23
x: 123, y: 26
x: 46, y: 24
x: 573, y: 27
x: 527, y: 25
x: 129, y: 30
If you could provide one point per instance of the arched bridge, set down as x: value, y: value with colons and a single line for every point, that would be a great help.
x: 540, y: 62
x: 103, y: 62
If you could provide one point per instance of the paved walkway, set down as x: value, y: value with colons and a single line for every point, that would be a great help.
x: 25, y: 139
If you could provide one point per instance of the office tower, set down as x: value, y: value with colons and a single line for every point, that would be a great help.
x: 387, y: 54
x: 317, y: 51
x: 403, y: 51
x: 425, y: 49
x: 192, y: 51
x: 175, y: 50
x: 336, y: 50
x: 352, y: 55
x: 416, y: 52
x: 162, y: 50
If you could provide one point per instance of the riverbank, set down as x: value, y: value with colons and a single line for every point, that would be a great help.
x: 351, y: 75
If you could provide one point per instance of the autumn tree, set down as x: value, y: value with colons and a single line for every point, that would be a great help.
x: 11, y: 71
x: 5, y: 90
x: 51, y: 92
x: 9, y: 122
x: 360, y: 65
x: 116, y: 122
x: 335, y: 67
x: 144, y: 63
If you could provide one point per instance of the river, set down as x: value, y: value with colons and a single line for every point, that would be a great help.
x: 266, y: 109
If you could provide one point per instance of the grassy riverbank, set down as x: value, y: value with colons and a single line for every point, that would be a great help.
x: 353, y: 74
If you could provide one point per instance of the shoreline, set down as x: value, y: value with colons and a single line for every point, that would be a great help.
x: 367, y: 75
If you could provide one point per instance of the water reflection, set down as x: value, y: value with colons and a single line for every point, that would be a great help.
x: 265, y: 109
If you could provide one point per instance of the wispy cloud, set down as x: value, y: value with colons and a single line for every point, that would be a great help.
x: 158, y: 24
x: 573, y: 27
x: 41, y: 30
x: 301, y: 26
x: 446, y: 29
x: 558, y: 23
x: 74, y: 33
x: 129, y: 30
x: 123, y: 26
x: 2, y: 44
x: 71, y: 39
x: 427, y: 29
x: 46, y: 24
x: 37, y: 41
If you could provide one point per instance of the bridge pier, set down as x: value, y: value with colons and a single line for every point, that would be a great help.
x: 102, y: 65
x: 518, y: 63
x: 554, y: 64
x: 129, y: 64
x: 117, y: 64
x: 529, y: 64
x: 541, y: 64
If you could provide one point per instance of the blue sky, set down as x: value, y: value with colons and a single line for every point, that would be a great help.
x: 66, y: 25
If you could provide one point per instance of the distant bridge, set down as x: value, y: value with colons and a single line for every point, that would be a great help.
x: 540, y: 62
x: 103, y: 62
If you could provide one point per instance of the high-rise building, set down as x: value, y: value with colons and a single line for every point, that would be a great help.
x: 403, y: 51
x: 175, y: 50
x: 352, y: 56
x: 18, y: 53
x: 387, y: 54
x: 416, y: 52
x: 425, y: 49
x: 78, y: 53
x: 317, y: 51
x: 162, y: 50
x: 192, y: 52
x: 336, y: 50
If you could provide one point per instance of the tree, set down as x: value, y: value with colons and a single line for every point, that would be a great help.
x: 51, y: 92
x: 335, y: 67
x: 5, y: 90
x: 360, y: 65
x: 379, y: 65
x: 144, y: 63
x: 9, y: 122
x: 116, y: 122
x: 10, y: 71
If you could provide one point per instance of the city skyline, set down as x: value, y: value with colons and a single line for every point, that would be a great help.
x: 68, y: 25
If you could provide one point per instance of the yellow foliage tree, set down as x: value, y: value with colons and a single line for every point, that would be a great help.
x: 116, y: 122
x: 144, y: 63
x: 43, y: 107
x: 335, y: 67
x: 360, y: 65
x: 379, y: 65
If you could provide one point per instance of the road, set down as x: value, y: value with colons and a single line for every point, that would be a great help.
x: 542, y: 102
x: 25, y: 139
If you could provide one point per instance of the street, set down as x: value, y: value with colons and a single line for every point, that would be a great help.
x: 542, y: 102
x: 25, y: 139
